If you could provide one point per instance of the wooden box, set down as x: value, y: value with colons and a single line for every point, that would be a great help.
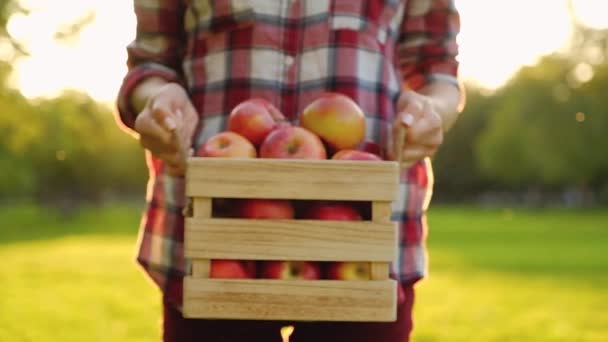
x: 373, y: 241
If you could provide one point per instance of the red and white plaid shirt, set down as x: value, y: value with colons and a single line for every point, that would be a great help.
x: 289, y: 52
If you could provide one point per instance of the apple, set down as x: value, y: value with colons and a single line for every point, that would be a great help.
x: 335, y: 118
x: 290, y: 270
x: 254, y: 119
x: 355, y: 155
x: 223, y: 207
x: 224, y: 268
x: 336, y: 211
x: 349, y: 270
x: 227, y: 144
x: 371, y: 147
x: 266, y: 209
x: 292, y: 142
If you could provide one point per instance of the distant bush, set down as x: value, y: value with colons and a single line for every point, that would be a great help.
x: 66, y: 148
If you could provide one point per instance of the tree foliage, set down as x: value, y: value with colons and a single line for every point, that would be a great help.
x: 65, y: 148
x: 546, y: 129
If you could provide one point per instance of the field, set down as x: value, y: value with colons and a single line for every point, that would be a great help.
x: 496, y: 275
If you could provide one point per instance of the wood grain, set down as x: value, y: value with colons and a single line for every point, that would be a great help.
x: 314, y: 240
x: 201, y: 268
x: 201, y: 207
x: 302, y: 300
x: 292, y: 179
x: 381, y: 211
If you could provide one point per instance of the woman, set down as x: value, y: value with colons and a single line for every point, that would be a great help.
x: 193, y: 61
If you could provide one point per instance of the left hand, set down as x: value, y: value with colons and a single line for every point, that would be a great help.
x: 423, y: 126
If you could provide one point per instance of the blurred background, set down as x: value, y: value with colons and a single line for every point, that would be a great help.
x: 518, y: 224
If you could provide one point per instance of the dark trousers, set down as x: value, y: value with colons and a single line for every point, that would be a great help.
x: 178, y: 329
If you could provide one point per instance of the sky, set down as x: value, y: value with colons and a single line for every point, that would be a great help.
x: 497, y: 38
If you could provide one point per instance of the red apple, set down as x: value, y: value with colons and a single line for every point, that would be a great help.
x: 223, y: 268
x: 227, y: 144
x: 223, y: 207
x: 290, y: 142
x: 290, y: 270
x: 254, y: 119
x: 371, y: 147
x: 335, y: 118
x: 355, y: 155
x: 336, y: 211
x: 266, y: 209
x: 349, y: 270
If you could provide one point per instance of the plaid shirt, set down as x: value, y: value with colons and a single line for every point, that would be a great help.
x: 289, y: 52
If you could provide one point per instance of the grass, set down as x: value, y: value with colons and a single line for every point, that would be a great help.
x: 75, y: 279
x: 496, y: 275
x: 515, y: 275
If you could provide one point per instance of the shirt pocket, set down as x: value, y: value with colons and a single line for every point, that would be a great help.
x: 211, y: 17
x: 375, y: 18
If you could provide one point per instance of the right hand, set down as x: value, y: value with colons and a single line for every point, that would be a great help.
x: 166, y: 126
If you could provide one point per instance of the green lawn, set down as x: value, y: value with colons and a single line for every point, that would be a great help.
x: 496, y: 275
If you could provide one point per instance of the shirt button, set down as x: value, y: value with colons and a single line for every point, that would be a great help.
x: 289, y: 60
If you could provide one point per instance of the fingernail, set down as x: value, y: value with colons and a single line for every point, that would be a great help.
x: 408, y: 119
x: 170, y: 123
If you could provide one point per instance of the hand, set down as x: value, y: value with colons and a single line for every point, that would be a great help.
x: 166, y: 126
x: 416, y: 114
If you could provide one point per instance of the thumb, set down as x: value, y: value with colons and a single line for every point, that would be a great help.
x: 163, y: 115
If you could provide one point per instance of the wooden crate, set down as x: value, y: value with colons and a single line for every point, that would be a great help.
x: 373, y: 241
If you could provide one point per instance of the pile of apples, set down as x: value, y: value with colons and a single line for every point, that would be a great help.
x: 330, y: 127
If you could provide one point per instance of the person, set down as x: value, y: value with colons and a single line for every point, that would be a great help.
x: 192, y: 61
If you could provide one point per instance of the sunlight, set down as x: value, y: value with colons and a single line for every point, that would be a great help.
x: 588, y: 12
x: 92, y: 62
x: 286, y: 332
x: 497, y: 39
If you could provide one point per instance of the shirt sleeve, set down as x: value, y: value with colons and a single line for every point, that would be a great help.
x: 157, y: 49
x: 427, y: 46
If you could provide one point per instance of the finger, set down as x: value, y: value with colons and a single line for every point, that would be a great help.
x: 426, y: 131
x: 176, y: 171
x: 405, y: 98
x: 410, y: 103
x: 413, y: 154
x: 411, y: 113
x: 405, y: 118
x: 155, y: 145
x: 174, y: 159
x: 190, y: 124
x: 178, y: 133
x: 163, y: 115
x: 147, y: 126
x: 399, y: 139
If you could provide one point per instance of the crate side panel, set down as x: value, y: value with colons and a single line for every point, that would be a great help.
x: 305, y: 300
x: 292, y: 179
x: 313, y: 240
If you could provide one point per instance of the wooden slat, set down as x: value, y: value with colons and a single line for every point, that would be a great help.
x: 201, y: 207
x: 381, y: 211
x: 313, y: 240
x: 379, y: 270
x: 303, y: 300
x: 292, y: 179
x: 201, y: 268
